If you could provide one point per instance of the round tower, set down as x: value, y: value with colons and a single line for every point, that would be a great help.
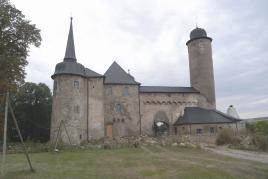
x: 201, y: 65
x: 68, y: 121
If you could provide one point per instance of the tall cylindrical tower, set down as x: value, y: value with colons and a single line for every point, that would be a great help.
x: 201, y: 65
x: 69, y: 112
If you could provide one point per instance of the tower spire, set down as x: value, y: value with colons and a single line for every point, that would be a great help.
x: 70, y: 50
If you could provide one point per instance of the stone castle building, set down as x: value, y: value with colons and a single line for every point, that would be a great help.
x: 93, y: 106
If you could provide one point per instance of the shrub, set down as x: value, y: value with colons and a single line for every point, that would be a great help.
x: 260, y: 141
x: 227, y: 136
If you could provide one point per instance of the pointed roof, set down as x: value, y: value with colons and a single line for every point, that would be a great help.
x: 70, y: 50
x: 116, y: 75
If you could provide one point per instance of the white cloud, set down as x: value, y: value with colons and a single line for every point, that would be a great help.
x: 148, y: 37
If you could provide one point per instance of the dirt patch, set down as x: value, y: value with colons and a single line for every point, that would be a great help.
x: 246, y: 155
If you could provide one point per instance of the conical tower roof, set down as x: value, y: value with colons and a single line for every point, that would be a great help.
x: 70, y: 50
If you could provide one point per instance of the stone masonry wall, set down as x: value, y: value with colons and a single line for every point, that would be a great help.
x: 95, y: 108
x: 121, y: 109
x: 201, y: 69
x: 192, y: 129
x: 172, y: 104
x: 69, y: 106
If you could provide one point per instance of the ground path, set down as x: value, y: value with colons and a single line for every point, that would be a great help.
x: 247, y: 155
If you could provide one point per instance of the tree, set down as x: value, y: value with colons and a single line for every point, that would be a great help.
x: 32, y: 107
x: 16, y: 36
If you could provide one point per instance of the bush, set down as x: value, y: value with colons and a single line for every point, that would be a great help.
x: 260, y: 141
x: 227, y: 136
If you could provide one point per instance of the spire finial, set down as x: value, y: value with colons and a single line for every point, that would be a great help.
x: 70, y: 50
x: 196, y: 26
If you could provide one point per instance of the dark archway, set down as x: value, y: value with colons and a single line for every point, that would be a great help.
x: 161, y: 124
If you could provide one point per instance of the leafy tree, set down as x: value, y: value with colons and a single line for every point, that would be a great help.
x: 32, y: 107
x: 16, y: 36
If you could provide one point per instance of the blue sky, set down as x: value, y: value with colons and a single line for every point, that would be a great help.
x: 148, y: 37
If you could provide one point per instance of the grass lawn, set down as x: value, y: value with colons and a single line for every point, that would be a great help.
x: 144, y: 162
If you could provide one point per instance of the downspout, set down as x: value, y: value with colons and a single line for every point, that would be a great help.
x: 139, y: 108
x: 236, y: 127
x: 87, y: 113
x: 190, y: 130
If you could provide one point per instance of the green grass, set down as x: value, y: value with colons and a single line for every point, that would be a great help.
x: 145, y: 162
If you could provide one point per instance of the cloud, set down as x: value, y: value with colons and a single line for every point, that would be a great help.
x: 148, y: 37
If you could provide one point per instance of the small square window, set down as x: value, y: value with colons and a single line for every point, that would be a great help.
x: 118, y: 108
x: 199, y: 131
x: 125, y: 92
x: 109, y: 91
x: 76, y: 84
x: 212, y: 130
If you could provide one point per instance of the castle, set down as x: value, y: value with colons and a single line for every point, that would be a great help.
x: 93, y: 106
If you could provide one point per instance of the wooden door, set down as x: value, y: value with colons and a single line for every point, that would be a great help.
x: 109, y: 130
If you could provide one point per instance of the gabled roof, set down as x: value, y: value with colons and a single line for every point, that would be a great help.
x: 196, y: 115
x: 116, y: 75
x: 91, y: 73
x: 167, y: 89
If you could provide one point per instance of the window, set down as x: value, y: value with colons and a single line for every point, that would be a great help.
x: 198, y: 131
x: 212, y: 130
x: 125, y: 92
x: 76, y: 109
x: 76, y: 84
x: 118, y: 108
x: 109, y: 91
x: 175, y: 130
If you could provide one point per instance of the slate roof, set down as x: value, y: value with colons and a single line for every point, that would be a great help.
x: 70, y: 50
x: 167, y: 89
x: 198, y: 33
x: 116, y: 75
x: 91, y: 73
x: 196, y: 115
x: 69, y: 65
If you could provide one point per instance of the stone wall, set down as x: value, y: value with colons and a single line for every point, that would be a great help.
x: 206, y: 131
x: 121, y: 109
x: 95, y: 108
x: 201, y: 69
x: 172, y: 104
x: 69, y: 106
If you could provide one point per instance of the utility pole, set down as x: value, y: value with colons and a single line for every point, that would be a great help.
x: 5, y: 136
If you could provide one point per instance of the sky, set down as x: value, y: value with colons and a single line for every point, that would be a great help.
x: 148, y: 37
